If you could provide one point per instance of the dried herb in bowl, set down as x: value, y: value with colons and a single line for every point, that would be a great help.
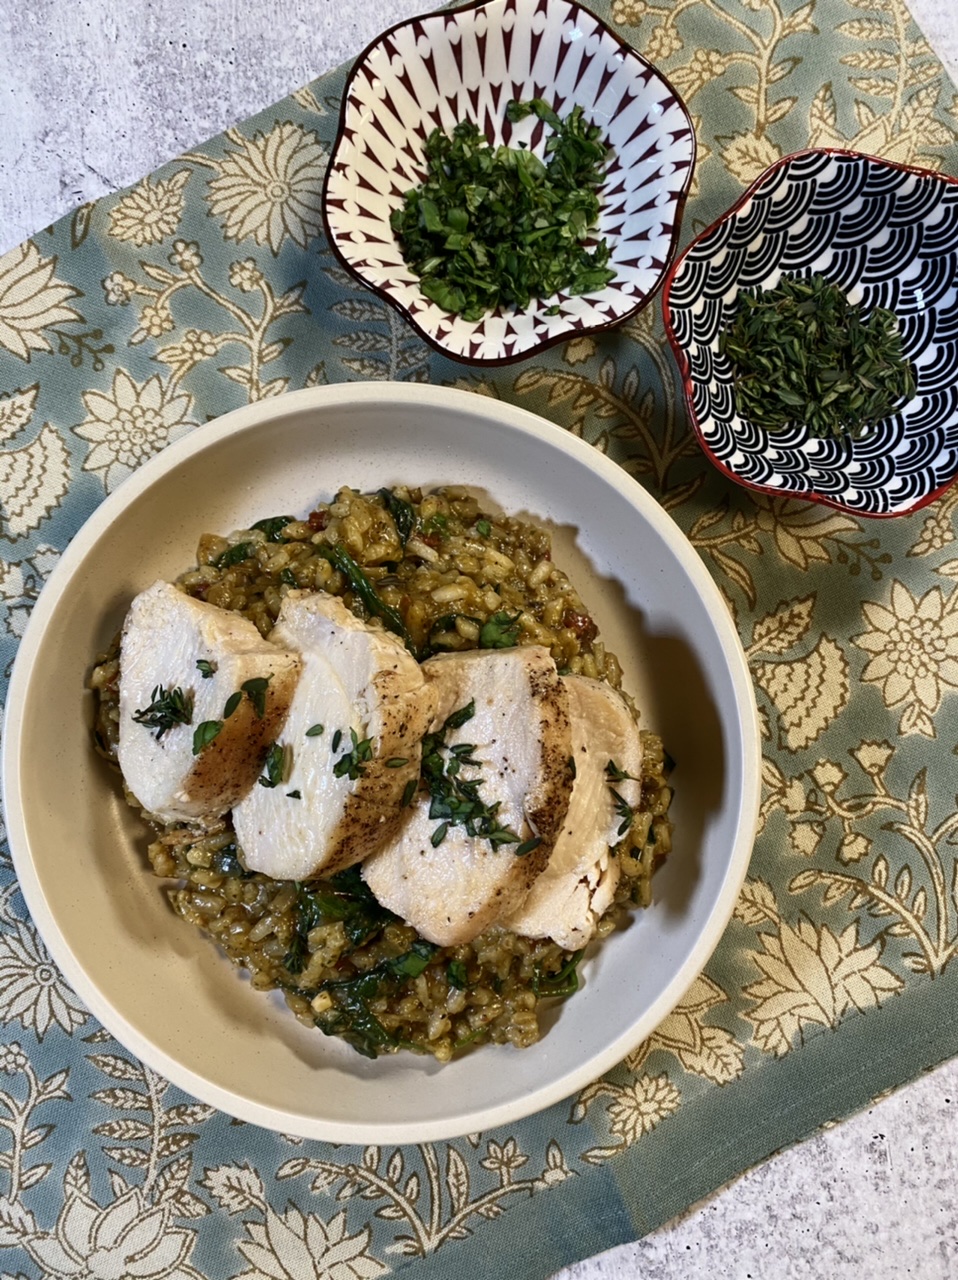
x: 495, y: 226
x: 801, y: 353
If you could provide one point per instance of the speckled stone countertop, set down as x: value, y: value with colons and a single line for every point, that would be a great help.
x: 96, y: 93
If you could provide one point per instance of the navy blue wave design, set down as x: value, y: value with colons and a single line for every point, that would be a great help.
x: 888, y: 236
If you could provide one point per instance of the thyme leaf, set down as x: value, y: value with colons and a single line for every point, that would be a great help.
x: 801, y: 353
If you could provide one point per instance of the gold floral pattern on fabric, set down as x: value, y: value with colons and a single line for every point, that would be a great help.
x: 269, y: 187
x: 150, y: 212
x: 32, y: 299
x: 208, y: 286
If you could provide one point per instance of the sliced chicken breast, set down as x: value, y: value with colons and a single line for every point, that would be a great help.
x: 350, y: 745
x: 512, y: 753
x: 183, y: 664
x: 579, y: 883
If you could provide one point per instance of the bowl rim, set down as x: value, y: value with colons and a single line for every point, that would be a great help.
x: 684, y: 366
x: 144, y: 1043
x: 495, y: 362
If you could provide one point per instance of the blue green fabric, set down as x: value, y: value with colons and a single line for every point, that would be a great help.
x: 209, y: 284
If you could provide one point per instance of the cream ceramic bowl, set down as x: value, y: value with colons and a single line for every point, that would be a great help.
x: 157, y: 984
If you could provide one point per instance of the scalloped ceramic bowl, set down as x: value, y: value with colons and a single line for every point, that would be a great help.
x: 888, y: 235
x: 80, y: 851
x: 467, y: 65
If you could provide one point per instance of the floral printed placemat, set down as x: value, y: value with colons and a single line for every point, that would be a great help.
x: 208, y: 285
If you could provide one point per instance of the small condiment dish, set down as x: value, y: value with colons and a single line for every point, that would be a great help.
x: 447, y: 67
x: 887, y: 234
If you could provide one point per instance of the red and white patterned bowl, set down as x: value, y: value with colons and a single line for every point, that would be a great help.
x: 467, y: 65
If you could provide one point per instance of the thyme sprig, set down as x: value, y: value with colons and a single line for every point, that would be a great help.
x: 168, y: 707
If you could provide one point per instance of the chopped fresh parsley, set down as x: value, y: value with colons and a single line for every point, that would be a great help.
x: 496, y: 227
x: 168, y: 707
x: 314, y: 731
x: 352, y: 763
x: 206, y: 669
x: 204, y: 734
x: 483, y: 528
x: 277, y: 765
x: 501, y: 631
x: 255, y: 690
x: 232, y: 702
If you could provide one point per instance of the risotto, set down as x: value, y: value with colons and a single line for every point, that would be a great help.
x: 446, y: 575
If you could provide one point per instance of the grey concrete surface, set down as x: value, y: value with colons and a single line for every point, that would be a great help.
x: 96, y: 93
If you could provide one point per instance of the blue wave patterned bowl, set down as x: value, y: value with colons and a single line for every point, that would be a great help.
x: 466, y: 65
x: 888, y: 235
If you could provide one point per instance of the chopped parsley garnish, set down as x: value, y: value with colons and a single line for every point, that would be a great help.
x: 277, y: 765
x: 337, y: 739
x: 410, y: 789
x: 294, y: 795
x: 396, y: 762
x: 255, y: 690
x: 483, y: 528
x: 232, y: 702
x: 206, y: 669
x: 352, y: 763
x: 493, y: 227
x: 527, y: 846
x: 288, y: 577
x: 168, y: 707
x: 457, y: 975
x: 501, y: 631
x: 314, y: 731
x: 204, y: 734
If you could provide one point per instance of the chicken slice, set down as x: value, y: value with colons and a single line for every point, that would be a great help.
x: 172, y: 644
x: 340, y: 787
x: 578, y: 885
x: 450, y: 885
